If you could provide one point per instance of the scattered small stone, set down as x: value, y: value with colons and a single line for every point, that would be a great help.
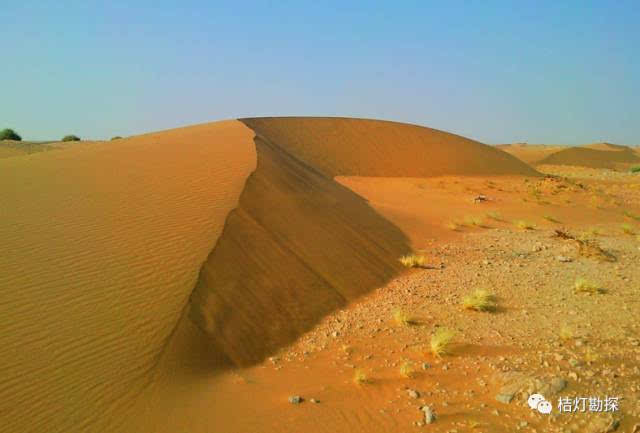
x: 429, y: 415
x: 413, y: 393
x: 564, y: 259
x: 426, y: 365
x: 313, y: 400
x: 295, y: 399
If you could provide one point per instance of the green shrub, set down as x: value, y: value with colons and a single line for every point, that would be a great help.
x: 635, y: 169
x: 9, y: 134
x: 70, y: 138
x: 117, y: 137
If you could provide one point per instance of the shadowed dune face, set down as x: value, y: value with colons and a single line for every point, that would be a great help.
x: 593, y: 158
x: 299, y: 246
x: 362, y: 147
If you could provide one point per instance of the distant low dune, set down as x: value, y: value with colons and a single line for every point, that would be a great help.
x: 104, y: 246
x: 594, y: 158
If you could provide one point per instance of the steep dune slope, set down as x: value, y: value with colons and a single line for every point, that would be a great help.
x: 594, y: 158
x: 301, y: 244
x: 101, y: 247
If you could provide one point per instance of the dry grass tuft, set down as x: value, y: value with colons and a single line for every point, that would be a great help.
x: 360, y: 377
x: 628, y: 229
x: 402, y: 318
x: 480, y: 300
x: 524, y: 225
x: 582, y: 285
x: 441, y: 341
x: 474, y: 221
x: 407, y: 370
x: 413, y: 261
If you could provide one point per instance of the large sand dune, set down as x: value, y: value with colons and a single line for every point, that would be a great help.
x: 105, y: 244
x: 101, y: 247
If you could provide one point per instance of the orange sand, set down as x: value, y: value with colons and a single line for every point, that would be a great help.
x: 101, y: 249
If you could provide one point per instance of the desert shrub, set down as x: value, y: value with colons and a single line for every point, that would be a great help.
x: 117, y: 137
x: 441, y: 341
x: 9, y: 134
x: 524, y: 225
x: 70, y: 138
x: 413, y: 261
x: 582, y: 285
x: 480, y: 300
x: 635, y: 169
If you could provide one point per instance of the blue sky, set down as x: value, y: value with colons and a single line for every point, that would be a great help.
x: 539, y: 71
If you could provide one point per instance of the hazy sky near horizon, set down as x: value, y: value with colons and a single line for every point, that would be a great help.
x: 539, y: 71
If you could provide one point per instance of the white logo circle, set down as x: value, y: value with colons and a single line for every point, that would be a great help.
x: 534, y: 399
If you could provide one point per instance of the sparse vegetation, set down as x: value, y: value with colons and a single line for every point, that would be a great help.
x: 413, y: 261
x: 524, y: 225
x: 583, y: 285
x: 635, y: 169
x: 402, y: 318
x: 9, y: 134
x: 360, y: 377
x: 70, y: 138
x: 117, y: 137
x: 628, y: 229
x: 474, y: 221
x: 441, y: 341
x: 407, y: 370
x: 480, y: 300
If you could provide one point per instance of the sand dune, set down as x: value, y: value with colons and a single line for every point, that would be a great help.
x: 594, y: 158
x: 361, y: 147
x: 530, y: 153
x: 606, y: 146
x: 294, y: 216
x: 101, y: 250
x: 106, y: 244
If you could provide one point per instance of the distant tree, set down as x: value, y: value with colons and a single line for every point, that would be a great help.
x: 70, y: 138
x: 117, y: 137
x: 9, y: 134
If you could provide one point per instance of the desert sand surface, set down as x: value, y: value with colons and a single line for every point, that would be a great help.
x: 197, y: 279
x: 102, y: 245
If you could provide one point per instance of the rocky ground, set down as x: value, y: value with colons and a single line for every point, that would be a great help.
x: 544, y: 337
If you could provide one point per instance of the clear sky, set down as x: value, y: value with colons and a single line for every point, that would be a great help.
x: 538, y: 71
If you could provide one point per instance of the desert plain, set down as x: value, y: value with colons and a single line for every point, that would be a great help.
x: 247, y: 276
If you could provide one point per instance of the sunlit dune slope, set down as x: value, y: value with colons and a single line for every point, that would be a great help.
x: 588, y: 157
x: 530, y: 153
x: 300, y: 244
x: 362, y: 147
x: 606, y: 146
x: 101, y: 248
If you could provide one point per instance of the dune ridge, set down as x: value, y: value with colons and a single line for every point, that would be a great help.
x: 300, y: 244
